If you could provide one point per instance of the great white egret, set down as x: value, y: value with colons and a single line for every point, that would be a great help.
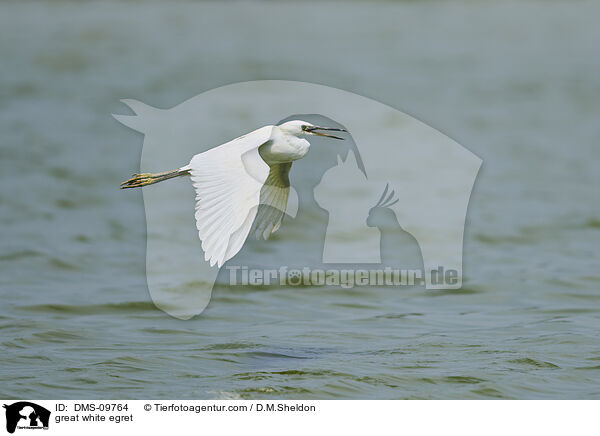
x: 232, y: 179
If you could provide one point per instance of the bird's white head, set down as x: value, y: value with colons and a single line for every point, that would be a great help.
x: 300, y: 128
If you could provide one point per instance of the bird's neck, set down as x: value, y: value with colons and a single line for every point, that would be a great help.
x: 299, y: 146
x: 283, y: 148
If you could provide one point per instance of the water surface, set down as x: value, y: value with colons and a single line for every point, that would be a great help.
x: 516, y: 83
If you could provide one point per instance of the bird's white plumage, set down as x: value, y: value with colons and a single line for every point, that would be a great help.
x: 228, y: 181
x: 240, y: 183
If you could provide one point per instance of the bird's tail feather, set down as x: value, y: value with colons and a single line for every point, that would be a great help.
x: 145, y: 179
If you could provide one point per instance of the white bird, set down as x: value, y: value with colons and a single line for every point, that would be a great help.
x: 232, y: 179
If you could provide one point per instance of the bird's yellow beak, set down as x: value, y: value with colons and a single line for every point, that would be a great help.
x: 313, y: 130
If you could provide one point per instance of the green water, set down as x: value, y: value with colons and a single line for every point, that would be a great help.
x: 516, y: 83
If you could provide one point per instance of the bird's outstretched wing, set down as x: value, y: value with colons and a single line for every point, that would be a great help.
x: 273, y: 200
x: 228, y: 180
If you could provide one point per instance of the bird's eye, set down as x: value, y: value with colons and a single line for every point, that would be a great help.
x: 304, y: 127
